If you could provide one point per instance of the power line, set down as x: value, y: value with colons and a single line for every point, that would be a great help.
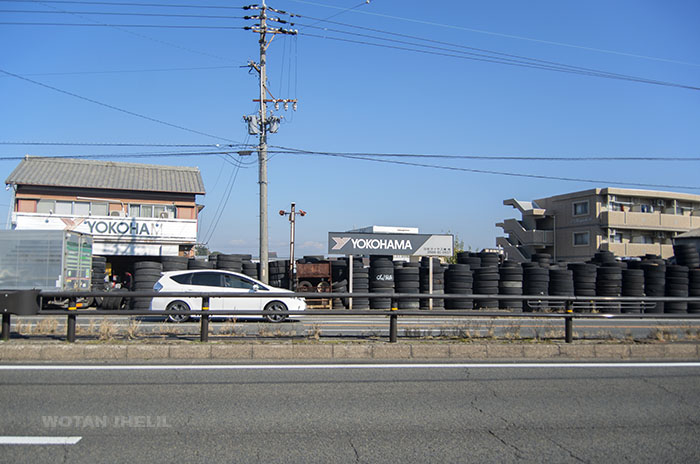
x: 504, y: 173
x: 510, y: 36
x: 115, y: 108
x: 100, y: 144
x: 524, y: 64
x: 285, y: 150
x: 155, y: 26
x: 163, y: 5
x: 126, y: 71
x: 112, y: 13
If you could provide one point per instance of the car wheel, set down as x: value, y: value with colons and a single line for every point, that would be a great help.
x: 273, y: 310
x: 178, y: 306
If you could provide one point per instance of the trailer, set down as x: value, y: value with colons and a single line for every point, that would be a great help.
x: 55, y: 260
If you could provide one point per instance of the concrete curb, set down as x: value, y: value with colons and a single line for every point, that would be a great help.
x: 128, y: 352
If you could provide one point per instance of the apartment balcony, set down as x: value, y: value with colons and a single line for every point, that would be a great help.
x: 534, y: 238
x: 651, y: 221
x: 638, y: 249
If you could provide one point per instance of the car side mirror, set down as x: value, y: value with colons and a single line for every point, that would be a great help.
x: 256, y: 287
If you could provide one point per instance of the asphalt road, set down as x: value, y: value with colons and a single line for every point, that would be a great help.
x: 356, y: 413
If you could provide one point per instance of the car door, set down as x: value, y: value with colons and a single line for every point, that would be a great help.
x: 240, y: 284
x: 209, y: 281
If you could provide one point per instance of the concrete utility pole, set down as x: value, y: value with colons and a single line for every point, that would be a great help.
x: 264, y: 124
x: 292, y: 221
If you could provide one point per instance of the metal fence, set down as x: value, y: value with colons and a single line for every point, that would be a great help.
x: 569, y: 308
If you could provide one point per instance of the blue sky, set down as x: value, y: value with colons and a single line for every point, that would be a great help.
x: 360, y: 98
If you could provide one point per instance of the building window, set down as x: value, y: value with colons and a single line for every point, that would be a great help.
x: 616, y: 237
x: 581, y: 208
x: 582, y: 238
x: 71, y: 208
x: 152, y: 211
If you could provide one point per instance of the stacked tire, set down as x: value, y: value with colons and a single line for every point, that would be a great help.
x: 233, y: 263
x: 535, y: 283
x: 279, y: 273
x: 459, y: 279
x: 677, y: 284
x: 561, y: 283
x: 407, y: 280
x: 470, y: 259
x: 438, y: 283
x: 609, y: 283
x: 694, y: 290
x: 486, y: 283
x: 360, y: 284
x: 146, y: 274
x: 510, y: 283
x: 174, y: 263
x: 381, y: 280
x: 339, y: 276
x: 489, y: 259
x: 654, y: 284
x: 98, y: 282
x: 686, y: 255
x: 543, y: 259
x: 632, y: 286
x: 196, y: 264
x: 584, y: 276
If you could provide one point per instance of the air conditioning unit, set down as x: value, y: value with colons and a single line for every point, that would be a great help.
x: 166, y: 215
x: 117, y: 213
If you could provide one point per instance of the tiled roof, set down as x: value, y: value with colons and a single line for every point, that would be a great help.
x: 79, y: 173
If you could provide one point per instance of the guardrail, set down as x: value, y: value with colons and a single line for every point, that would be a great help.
x: 569, y: 304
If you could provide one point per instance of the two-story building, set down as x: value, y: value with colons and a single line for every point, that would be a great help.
x: 573, y: 226
x: 131, y: 210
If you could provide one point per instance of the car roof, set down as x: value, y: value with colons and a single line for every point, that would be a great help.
x: 197, y: 271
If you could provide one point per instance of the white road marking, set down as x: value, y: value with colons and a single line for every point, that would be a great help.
x: 172, y: 367
x: 39, y: 440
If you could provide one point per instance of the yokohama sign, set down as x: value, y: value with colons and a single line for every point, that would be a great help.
x: 347, y: 243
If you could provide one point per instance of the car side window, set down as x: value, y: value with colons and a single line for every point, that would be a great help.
x: 182, y: 278
x: 209, y: 279
x: 232, y: 281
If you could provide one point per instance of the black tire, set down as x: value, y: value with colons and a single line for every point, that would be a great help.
x: 272, y: 311
x: 178, y: 306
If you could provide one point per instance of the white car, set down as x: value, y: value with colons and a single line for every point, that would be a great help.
x: 212, y: 280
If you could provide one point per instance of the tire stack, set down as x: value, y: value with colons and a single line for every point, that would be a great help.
x: 249, y: 267
x: 486, y: 283
x: 438, y: 283
x: 609, y: 283
x: 97, y: 279
x: 632, y: 285
x: 233, y: 263
x: 360, y: 284
x: 535, y: 282
x: 561, y: 283
x: 543, y: 259
x: 489, y: 259
x: 686, y: 255
x: 174, y: 263
x: 200, y: 264
x: 146, y: 274
x: 407, y: 280
x: 654, y: 284
x: 694, y: 290
x: 470, y: 259
x: 339, y: 276
x: 99, y: 273
x: 676, y: 286
x: 381, y: 280
x: 584, y: 278
x: 459, y: 280
x: 279, y: 273
x: 510, y: 283
x: 602, y: 258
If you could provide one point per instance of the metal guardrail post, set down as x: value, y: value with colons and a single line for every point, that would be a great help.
x: 393, y: 323
x: 204, y: 321
x: 569, y: 323
x: 5, y: 326
x: 72, y: 306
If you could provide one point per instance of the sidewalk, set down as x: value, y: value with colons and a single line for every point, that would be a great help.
x: 320, y: 351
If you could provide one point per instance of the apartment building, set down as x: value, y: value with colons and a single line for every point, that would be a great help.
x: 573, y: 226
x: 130, y: 209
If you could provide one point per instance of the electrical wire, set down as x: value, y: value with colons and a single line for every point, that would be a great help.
x: 498, y: 34
x: 509, y: 62
x: 163, y: 5
x: 154, y: 26
x: 222, y: 206
x: 111, y: 13
x: 115, y: 108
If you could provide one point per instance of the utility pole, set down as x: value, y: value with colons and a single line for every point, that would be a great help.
x: 262, y: 124
x: 292, y: 220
